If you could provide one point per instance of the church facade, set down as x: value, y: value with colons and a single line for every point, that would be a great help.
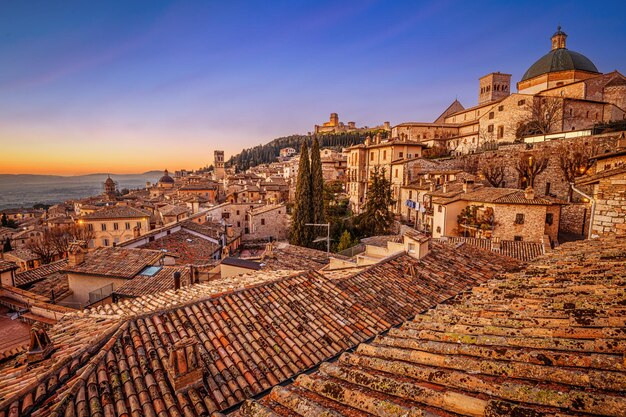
x: 562, y: 91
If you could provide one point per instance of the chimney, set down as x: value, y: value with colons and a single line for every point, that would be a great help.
x: 468, y: 185
x: 76, y: 253
x: 40, y: 347
x: 269, y: 250
x: 432, y: 186
x: 445, y: 187
x: 176, y: 280
x: 495, y: 244
x: 529, y: 193
x: 183, y: 368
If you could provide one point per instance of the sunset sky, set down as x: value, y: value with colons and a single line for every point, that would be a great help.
x: 131, y: 86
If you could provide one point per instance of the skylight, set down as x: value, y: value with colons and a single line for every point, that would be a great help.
x: 150, y: 271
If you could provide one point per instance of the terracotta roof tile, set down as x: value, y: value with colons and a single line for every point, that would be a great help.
x: 40, y: 273
x: 547, y: 340
x: 115, y: 359
x: 116, y: 262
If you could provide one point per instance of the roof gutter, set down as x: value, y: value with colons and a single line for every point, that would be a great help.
x: 593, y: 208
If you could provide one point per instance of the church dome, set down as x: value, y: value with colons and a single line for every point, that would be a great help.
x: 166, y: 179
x: 559, y: 59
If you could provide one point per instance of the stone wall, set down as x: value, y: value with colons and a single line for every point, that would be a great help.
x: 610, y: 215
x: 549, y: 182
x: 575, y: 219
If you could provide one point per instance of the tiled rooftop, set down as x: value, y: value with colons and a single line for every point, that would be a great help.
x: 159, y: 282
x: 286, y: 256
x: 546, y: 341
x: 116, y: 262
x: 117, y: 212
x: 521, y: 250
x: 187, y: 247
x: 7, y: 265
x: 37, y: 274
x: 115, y: 360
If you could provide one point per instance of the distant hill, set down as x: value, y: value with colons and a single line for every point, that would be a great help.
x: 264, y: 154
x: 25, y: 190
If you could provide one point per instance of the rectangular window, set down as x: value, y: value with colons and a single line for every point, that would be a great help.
x: 384, y: 155
x: 396, y: 173
x: 90, y: 227
x: 237, y: 212
x: 116, y: 226
x: 410, y: 194
x: 491, y: 115
x: 401, y: 154
x: 517, y: 238
x: 500, y: 132
x: 127, y: 225
x: 139, y: 225
x: 519, y: 218
x: 103, y: 227
x: 439, y: 209
x: 549, y: 218
x: 500, y: 108
x: 225, y: 215
x: 372, y: 156
x: 547, y: 188
x: 105, y: 242
x: 521, y: 102
x: 238, y: 224
x: 490, y: 128
x: 262, y: 222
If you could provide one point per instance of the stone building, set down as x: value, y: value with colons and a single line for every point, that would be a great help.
x: 567, y: 82
x: 609, y: 192
x: 269, y: 222
x: 113, y: 225
x: 376, y: 153
x: 333, y: 125
x: 501, y: 213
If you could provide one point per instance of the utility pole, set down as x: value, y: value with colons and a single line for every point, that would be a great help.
x: 320, y: 239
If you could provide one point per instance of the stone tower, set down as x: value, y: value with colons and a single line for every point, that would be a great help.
x: 109, y: 188
x: 334, y: 119
x: 218, y: 163
x: 494, y: 87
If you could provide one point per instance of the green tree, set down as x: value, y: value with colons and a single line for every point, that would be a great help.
x: 302, y: 210
x: 317, y: 184
x: 345, y: 242
x: 7, y: 246
x: 377, y: 217
x: 6, y: 222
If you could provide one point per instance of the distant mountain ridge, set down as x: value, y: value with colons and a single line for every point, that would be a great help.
x: 25, y: 190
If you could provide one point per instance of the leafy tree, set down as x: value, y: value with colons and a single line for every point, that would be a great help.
x: 7, y: 246
x: 345, y: 242
x: 377, y: 217
x: 6, y: 222
x: 302, y: 210
x: 317, y: 184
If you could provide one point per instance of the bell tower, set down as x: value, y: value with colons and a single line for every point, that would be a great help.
x: 218, y: 163
x: 494, y: 87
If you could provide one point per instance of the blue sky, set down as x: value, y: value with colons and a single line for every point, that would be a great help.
x: 126, y: 86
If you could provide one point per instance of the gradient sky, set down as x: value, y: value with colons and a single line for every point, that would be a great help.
x: 128, y: 86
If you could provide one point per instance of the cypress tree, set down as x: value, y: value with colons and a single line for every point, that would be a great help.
x: 7, y: 246
x: 317, y: 184
x: 302, y: 210
x: 377, y: 217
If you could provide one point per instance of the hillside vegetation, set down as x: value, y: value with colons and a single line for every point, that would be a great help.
x: 264, y: 154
